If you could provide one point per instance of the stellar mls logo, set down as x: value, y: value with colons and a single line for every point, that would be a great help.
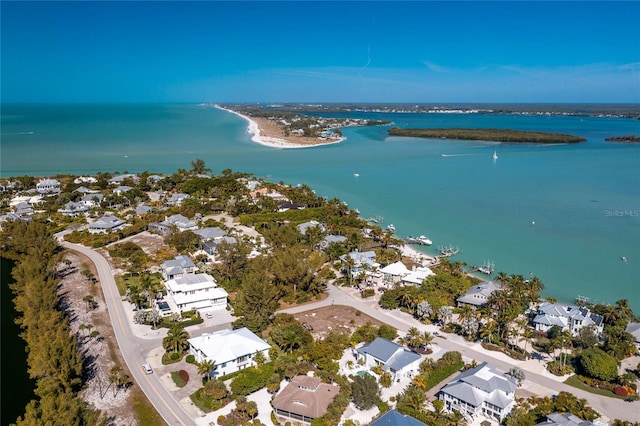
x: 622, y: 213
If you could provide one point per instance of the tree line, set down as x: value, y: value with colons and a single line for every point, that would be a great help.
x: 52, y: 355
x: 497, y: 135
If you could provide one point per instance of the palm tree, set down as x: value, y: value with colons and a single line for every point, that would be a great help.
x: 350, y: 264
x: 413, y: 337
x: 177, y: 339
x: 623, y: 308
x: 427, y: 339
x: 205, y: 367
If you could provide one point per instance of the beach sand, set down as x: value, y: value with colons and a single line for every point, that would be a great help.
x: 266, y: 132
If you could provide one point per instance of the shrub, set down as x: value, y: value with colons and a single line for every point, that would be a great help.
x: 184, y: 376
x: 178, y: 379
x: 369, y: 292
x: 191, y: 359
x: 624, y: 391
x: 599, y: 364
x: 174, y: 356
x: 251, y: 379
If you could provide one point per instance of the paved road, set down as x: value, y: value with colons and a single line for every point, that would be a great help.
x: 611, y: 407
x: 132, y: 348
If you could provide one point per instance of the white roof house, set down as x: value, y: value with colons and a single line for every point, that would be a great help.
x: 195, y: 291
x: 478, y: 294
x: 231, y: 350
x: 393, y: 357
x: 417, y: 276
x: 480, y: 391
x: 106, y: 224
x: 571, y: 318
x: 303, y: 227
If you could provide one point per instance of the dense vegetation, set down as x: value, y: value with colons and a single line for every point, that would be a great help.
x: 625, y: 138
x: 53, y: 358
x: 497, y: 135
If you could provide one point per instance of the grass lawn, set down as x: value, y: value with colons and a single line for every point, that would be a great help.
x: 576, y: 383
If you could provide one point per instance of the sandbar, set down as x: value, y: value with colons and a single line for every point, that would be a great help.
x: 267, y: 133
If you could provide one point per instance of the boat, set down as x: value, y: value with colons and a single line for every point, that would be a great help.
x: 449, y: 250
x: 391, y: 228
x: 495, y: 155
x: 422, y: 240
x: 376, y: 219
x: 486, y: 268
x: 356, y: 174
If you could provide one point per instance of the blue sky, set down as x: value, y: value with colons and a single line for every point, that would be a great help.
x: 364, y: 51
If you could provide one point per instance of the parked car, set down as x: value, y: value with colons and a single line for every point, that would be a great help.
x: 147, y: 368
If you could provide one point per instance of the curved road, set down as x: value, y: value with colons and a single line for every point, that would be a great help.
x: 173, y: 413
x: 130, y: 347
x: 613, y: 408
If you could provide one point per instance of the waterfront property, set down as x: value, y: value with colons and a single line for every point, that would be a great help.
x: 230, y: 350
x: 478, y: 295
x: 480, y: 391
x: 392, y: 357
x: 305, y: 398
x: 633, y: 328
x: 361, y: 260
x: 571, y: 318
x: 195, y: 291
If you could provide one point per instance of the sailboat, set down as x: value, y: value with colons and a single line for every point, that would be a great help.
x: 495, y: 155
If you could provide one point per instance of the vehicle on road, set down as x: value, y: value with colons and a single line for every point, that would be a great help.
x: 147, y: 368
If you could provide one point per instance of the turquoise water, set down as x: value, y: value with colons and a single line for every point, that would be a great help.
x: 584, y: 199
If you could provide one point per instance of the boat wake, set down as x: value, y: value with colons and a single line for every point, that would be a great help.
x: 459, y: 155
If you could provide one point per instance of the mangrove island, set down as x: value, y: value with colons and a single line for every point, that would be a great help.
x: 493, y: 135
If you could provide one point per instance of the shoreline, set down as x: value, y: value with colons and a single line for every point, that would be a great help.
x: 256, y: 131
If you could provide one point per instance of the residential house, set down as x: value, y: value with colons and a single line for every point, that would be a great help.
x: 122, y: 189
x: 195, y: 291
x: 478, y: 295
x: 633, y: 328
x: 210, y: 233
x: 142, y: 210
x: 106, y: 224
x: 568, y: 419
x: 177, y: 267
x: 480, y: 391
x: 417, y: 276
x: 571, y: 318
x: 394, y: 272
x: 392, y: 357
x: 85, y: 179
x: 176, y: 199
x: 119, y: 179
x: 361, y: 260
x: 211, y: 247
x: 85, y: 190
x: 332, y: 239
x: 48, y: 186
x: 73, y: 209
x: 304, y: 398
x: 393, y: 418
x: 283, y: 206
x: 231, y: 350
x: 92, y: 200
x: 303, y: 227
x: 176, y: 221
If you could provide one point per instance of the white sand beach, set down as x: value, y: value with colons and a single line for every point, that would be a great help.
x: 275, y: 142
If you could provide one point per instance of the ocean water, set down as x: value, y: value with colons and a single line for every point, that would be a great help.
x: 584, y: 199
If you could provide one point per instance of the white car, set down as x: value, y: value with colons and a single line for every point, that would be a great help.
x: 147, y: 368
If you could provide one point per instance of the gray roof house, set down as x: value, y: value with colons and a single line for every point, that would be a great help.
x: 332, y: 239
x: 92, y: 199
x: 106, y: 224
x: 571, y: 318
x: 393, y: 357
x: 210, y: 247
x: 393, y: 418
x: 176, y: 199
x: 177, y: 221
x: 73, y: 209
x: 478, y: 295
x: 122, y: 189
x: 177, y: 267
x: 633, y: 328
x: 117, y: 180
x: 210, y: 233
x: 480, y: 391
x: 303, y: 227
x: 48, y: 186
x: 361, y: 258
x: 568, y: 419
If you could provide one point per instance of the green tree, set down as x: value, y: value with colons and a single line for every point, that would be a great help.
x: 599, y: 364
x: 176, y: 339
x: 365, y: 391
x: 198, y: 166
x: 205, y: 367
x: 257, y: 301
x: 388, y: 332
x: 215, y: 389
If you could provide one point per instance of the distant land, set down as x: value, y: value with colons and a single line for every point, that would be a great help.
x: 624, y: 139
x: 494, y: 135
x: 584, y: 110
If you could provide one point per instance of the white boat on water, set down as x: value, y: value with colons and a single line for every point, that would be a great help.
x: 487, y: 268
x: 447, y: 251
x: 422, y: 240
x: 495, y: 155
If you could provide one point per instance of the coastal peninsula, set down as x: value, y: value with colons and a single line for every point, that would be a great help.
x: 492, y: 135
x: 284, y: 129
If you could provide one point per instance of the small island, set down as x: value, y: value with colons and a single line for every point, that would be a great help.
x: 493, y: 135
x: 624, y: 139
